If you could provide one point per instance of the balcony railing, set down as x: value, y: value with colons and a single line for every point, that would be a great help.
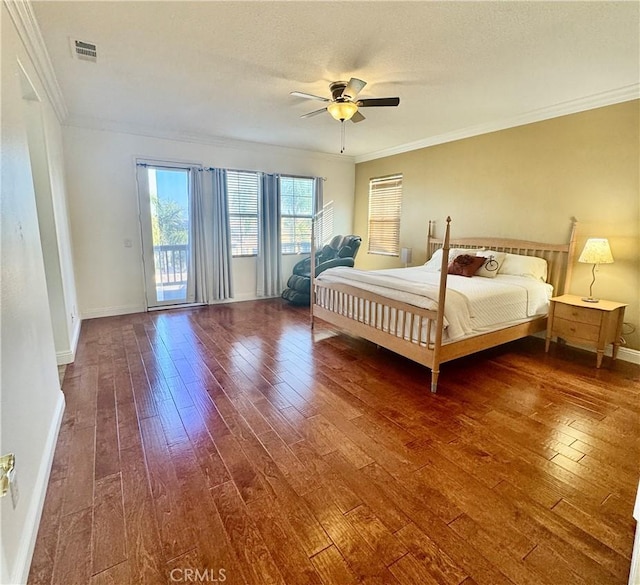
x: 171, y: 263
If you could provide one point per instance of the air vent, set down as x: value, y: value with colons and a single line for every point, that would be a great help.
x: 84, y: 50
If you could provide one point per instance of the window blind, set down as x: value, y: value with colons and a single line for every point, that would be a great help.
x: 385, y: 205
x: 324, y: 225
x: 242, y: 193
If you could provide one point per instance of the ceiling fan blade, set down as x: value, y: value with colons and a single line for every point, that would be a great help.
x: 308, y: 96
x: 374, y: 102
x: 314, y: 113
x: 354, y: 87
x: 357, y: 117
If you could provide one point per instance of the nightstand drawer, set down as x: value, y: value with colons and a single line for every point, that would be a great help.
x: 578, y: 314
x: 566, y: 328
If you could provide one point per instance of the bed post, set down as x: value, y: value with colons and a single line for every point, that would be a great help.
x: 442, y: 293
x: 570, y: 256
x: 429, y: 236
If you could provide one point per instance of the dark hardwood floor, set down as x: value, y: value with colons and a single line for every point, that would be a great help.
x: 228, y: 443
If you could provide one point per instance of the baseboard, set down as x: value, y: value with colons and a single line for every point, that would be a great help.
x: 68, y: 357
x: 75, y: 337
x: 249, y: 297
x: 112, y: 311
x: 634, y: 572
x: 624, y: 353
x: 628, y: 355
x: 64, y: 357
x: 28, y: 543
x: 243, y: 297
x: 127, y: 309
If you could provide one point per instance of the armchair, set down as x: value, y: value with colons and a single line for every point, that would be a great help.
x: 340, y: 251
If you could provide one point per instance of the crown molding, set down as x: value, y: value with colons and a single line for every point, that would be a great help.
x: 606, y: 98
x: 209, y: 140
x: 24, y: 19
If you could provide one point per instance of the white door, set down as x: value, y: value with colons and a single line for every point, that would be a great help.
x: 164, y: 196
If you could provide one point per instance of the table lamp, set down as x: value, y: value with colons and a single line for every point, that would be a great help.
x: 596, y: 251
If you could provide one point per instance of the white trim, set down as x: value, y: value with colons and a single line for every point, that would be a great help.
x: 249, y: 297
x: 128, y: 309
x: 64, y: 357
x: 29, y: 32
x: 634, y: 573
x: 627, y: 355
x: 68, y: 356
x: 237, y: 299
x: 606, y: 98
x: 624, y: 353
x: 32, y: 521
x: 112, y: 311
x: 175, y: 306
x: 75, y: 337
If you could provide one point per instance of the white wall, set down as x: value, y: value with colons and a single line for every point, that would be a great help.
x: 54, y: 231
x: 31, y: 402
x: 104, y: 210
x: 57, y: 181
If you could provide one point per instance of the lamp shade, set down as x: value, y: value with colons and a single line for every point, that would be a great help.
x: 596, y: 251
x: 342, y: 110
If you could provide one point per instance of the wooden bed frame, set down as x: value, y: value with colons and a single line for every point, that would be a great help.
x: 329, y: 300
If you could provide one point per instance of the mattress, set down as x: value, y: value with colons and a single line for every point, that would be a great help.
x: 472, y: 306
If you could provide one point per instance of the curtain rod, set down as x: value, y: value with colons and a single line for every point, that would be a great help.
x: 265, y: 173
x: 176, y: 166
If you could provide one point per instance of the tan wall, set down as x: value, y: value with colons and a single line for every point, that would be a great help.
x: 528, y: 182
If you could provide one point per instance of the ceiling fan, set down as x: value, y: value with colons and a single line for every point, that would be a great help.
x: 344, y: 104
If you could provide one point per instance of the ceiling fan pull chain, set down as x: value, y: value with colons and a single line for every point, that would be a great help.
x: 341, y: 136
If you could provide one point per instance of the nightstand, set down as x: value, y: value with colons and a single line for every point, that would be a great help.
x: 595, y: 324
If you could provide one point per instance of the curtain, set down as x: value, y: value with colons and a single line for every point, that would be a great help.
x: 318, y: 195
x: 222, y: 277
x: 269, y: 257
x: 210, y: 258
x: 200, y: 241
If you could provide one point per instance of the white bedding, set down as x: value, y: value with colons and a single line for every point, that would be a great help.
x: 472, y: 305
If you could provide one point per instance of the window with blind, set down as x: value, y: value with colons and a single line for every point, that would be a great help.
x: 385, y: 205
x: 296, y: 211
x: 242, y: 193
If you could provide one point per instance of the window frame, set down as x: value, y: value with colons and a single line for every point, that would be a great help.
x: 294, y: 216
x: 387, y: 238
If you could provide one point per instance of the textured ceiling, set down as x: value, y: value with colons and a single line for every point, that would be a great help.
x: 225, y: 69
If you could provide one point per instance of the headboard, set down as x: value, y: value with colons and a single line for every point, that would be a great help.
x: 559, y: 257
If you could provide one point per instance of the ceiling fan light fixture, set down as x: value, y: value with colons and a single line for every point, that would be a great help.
x: 342, y: 110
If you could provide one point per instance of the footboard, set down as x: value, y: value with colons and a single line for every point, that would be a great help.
x: 402, y: 328
x: 411, y: 331
x: 417, y: 333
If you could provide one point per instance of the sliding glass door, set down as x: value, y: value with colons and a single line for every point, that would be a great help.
x: 164, y: 195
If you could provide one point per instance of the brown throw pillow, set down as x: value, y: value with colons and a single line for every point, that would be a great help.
x: 465, y: 265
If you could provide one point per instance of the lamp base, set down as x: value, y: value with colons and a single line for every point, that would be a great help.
x: 590, y: 300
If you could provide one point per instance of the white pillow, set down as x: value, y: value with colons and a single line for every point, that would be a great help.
x: 491, y: 267
x: 434, y: 263
x: 531, y: 266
